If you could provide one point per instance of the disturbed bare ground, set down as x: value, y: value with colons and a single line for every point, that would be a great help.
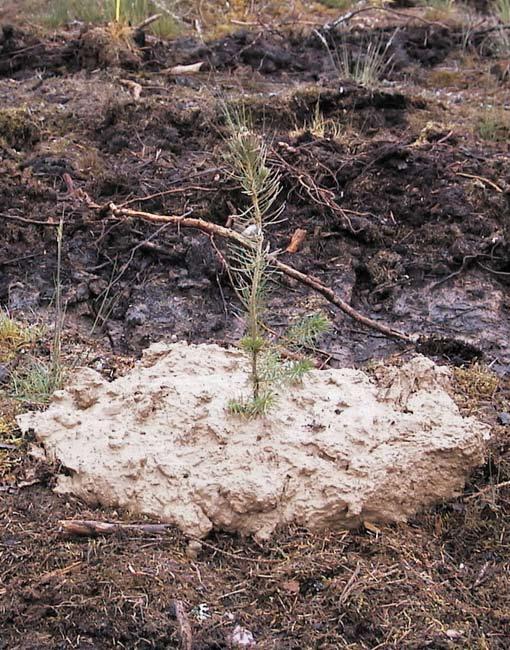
x: 406, y: 213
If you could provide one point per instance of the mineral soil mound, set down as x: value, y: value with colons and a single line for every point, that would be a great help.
x: 340, y: 449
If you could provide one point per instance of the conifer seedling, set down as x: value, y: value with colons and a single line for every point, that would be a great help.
x: 251, y: 273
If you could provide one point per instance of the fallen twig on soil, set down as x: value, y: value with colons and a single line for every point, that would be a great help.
x: 89, y: 527
x: 309, y: 280
x: 487, y: 488
x: 15, y: 217
x: 92, y: 527
x: 191, y: 68
x: 482, y: 179
x: 148, y: 21
x: 319, y: 195
x: 183, y: 625
x: 344, y: 18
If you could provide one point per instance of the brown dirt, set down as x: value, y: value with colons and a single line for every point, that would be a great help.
x: 407, y: 218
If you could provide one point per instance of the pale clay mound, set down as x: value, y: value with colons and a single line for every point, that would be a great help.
x: 338, y: 450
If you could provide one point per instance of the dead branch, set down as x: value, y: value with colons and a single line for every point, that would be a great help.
x: 148, y: 21
x: 91, y: 528
x: 344, y: 18
x: 330, y: 295
x: 481, y: 179
x: 319, y: 195
x: 15, y: 217
x: 191, y: 68
x: 309, y: 280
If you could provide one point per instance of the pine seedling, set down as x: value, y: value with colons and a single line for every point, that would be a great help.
x: 251, y: 271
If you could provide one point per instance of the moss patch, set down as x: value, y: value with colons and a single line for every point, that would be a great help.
x: 18, y: 128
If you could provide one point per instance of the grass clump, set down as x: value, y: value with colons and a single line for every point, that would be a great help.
x: 33, y: 381
x: 336, y: 4
x: 494, y: 125
x: 366, y: 63
x: 15, y: 337
x: 251, y: 273
x: 502, y: 10
x: 17, y: 127
x: 36, y: 382
x: 129, y: 12
x: 320, y: 127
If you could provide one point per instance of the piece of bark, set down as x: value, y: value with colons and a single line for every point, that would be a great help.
x: 296, y: 241
x: 192, y: 68
x: 183, y: 625
x: 134, y: 88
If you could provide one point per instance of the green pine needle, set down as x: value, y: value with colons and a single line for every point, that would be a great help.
x: 306, y: 331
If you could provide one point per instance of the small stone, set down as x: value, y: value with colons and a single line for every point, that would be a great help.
x: 504, y: 418
x: 4, y: 374
x: 241, y: 638
x: 193, y: 549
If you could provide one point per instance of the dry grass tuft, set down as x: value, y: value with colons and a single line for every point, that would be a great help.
x: 15, y: 337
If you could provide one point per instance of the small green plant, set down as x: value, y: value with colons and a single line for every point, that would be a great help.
x: 251, y: 272
x: 36, y: 381
x: 502, y: 10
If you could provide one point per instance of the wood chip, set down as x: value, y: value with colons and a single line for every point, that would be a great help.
x: 192, y: 68
x: 297, y: 241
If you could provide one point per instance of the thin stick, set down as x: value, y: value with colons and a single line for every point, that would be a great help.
x: 487, y: 488
x: 148, y: 21
x: 309, y: 280
x: 15, y: 217
x: 92, y: 527
x: 482, y: 179
x: 330, y: 295
x: 346, y: 17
